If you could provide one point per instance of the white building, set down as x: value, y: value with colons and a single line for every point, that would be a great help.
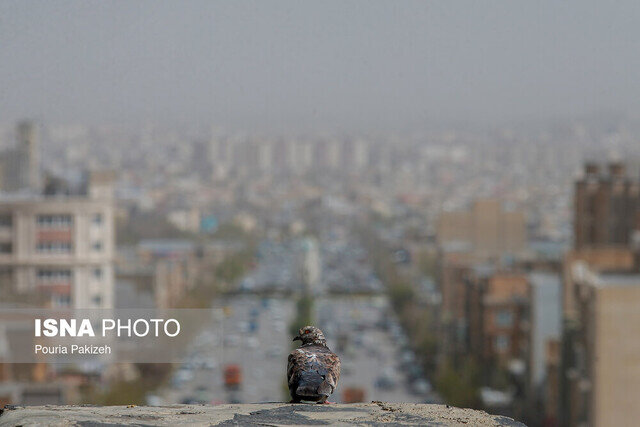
x: 58, y: 250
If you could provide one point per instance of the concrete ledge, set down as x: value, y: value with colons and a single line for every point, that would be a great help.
x: 369, y: 414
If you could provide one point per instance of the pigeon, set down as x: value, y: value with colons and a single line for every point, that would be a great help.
x: 313, y: 370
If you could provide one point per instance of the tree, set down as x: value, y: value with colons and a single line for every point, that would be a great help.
x: 460, y: 387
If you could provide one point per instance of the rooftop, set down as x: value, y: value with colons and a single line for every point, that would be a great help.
x: 370, y: 414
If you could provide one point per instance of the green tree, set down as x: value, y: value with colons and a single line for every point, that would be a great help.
x: 460, y: 387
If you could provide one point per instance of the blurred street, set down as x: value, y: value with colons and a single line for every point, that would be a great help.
x: 261, y: 345
x: 255, y: 340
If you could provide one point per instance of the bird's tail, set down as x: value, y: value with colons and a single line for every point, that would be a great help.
x: 311, y: 384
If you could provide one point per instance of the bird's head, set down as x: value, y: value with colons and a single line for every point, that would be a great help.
x: 310, y: 335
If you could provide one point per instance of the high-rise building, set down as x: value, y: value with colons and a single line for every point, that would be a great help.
x: 28, y: 144
x: 601, y: 287
x: 302, y: 156
x: 264, y: 159
x: 607, y: 207
x: 603, y: 367
x: 19, y: 166
x: 332, y: 152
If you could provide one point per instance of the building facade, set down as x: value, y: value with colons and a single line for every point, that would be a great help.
x: 487, y: 230
x: 607, y: 207
x: 498, y: 314
x: 58, y: 250
x: 604, y: 373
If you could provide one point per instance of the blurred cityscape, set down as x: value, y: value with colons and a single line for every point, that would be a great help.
x: 487, y: 269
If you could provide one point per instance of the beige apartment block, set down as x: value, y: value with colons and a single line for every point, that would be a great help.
x: 607, y: 377
x: 58, y: 250
x: 616, y: 362
x: 486, y: 229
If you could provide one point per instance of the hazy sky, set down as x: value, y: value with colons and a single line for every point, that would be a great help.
x: 317, y: 65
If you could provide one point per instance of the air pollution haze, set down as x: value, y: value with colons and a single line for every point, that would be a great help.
x: 355, y: 65
x: 402, y: 203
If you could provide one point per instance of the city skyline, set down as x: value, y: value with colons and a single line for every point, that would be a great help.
x: 450, y: 191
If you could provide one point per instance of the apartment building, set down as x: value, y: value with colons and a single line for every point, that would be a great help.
x: 603, y: 370
x: 600, y: 259
x: 57, y: 249
x: 498, y: 314
x: 486, y: 229
x: 601, y: 293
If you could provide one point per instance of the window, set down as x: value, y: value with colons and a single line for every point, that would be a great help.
x: 54, y: 221
x: 6, y: 220
x: 53, y: 275
x: 61, y: 300
x: 97, y: 246
x: 97, y: 218
x: 97, y: 299
x: 6, y: 248
x: 504, y: 318
x: 502, y: 343
x: 6, y: 278
x: 54, y: 247
x: 97, y: 273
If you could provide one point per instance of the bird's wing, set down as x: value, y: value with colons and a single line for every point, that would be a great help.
x: 295, y: 365
x: 331, y: 362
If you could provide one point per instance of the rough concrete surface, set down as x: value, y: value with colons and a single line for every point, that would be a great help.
x: 264, y: 414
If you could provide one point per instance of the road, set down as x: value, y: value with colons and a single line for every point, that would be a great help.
x: 368, y: 352
x: 261, y: 354
x: 254, y: 335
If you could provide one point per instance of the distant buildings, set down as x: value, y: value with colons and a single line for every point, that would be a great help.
x: 19, y: 166
x: 249, y: 156
x: 157, y: 273
x: 188, y: 220
x: 500, y: 308
x: 486, y: 230
x: 469, y: 241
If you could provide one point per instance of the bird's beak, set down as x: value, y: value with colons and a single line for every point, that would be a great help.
x: 297, y: 338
